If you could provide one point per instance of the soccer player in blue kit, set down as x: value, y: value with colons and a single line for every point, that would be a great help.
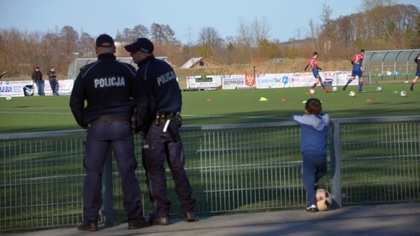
x: 314, y: 132
x: 313, y: 63
x: 357, y: 70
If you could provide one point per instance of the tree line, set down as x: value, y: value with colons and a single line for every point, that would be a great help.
x: 380, y: 25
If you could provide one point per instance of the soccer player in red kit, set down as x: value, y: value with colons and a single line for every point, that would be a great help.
x: 313, y: 63
x: 357, y: 61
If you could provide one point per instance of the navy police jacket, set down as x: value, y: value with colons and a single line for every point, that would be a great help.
x: 162, y: 87
x: 109, y: 87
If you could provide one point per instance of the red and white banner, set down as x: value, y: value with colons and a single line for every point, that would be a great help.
x: 244, y: 81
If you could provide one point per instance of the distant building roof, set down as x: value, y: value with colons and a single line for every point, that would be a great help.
x: 199, y: 62
x: 191, y: 62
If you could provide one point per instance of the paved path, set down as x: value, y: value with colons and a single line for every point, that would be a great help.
x: 377, y: 220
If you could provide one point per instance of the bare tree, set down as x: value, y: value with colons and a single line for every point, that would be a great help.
x: 313, y: 32
x: 68, y: 49
x: 35, y: 53
x: 251, y: 37
x: 86, y: 44
x: 343, y: 30
x: 326, y: 21
x: 412, y: 35
x: 129, y: 35
x: 15, y: 52
x: 163, y: 34
x: 369, y: 5
x: 139, y: 31
x: 253, y: 34
x: 208, y: 41
x: 327, y: 36
x: 49, y: 44
x: 209, y: 35
x: 69, y: 38
x: 376, y: 17
x: 244, y: 34
x: 124, y: 36
x: 384, y: 24
x: 260, y: 30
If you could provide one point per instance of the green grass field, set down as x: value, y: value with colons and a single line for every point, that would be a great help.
x: 30, y: 114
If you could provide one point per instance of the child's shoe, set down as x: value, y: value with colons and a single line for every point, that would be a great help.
x: 312, y: 208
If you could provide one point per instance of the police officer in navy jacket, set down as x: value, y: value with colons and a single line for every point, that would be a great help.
x: 161, y: 136
x: 111, y: 93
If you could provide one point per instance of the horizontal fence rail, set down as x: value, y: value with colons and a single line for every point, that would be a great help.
x: 232, y: 168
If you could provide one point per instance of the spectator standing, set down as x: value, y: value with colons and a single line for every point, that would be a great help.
x: 162, y: 140
x: 52, y: 77
x: 314, y: 132
x: 37, y: 78
x: 111, y: 93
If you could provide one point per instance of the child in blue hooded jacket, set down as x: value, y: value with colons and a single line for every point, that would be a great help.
x: 314, y: 132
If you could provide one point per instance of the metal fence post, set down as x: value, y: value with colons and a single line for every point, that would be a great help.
x: 336, y: 165
x: 108, y: 198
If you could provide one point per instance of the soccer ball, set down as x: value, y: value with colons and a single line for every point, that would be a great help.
x: 379, y: 89
x: 323, y: 199
x: 352, y: 94
x: 9, y: 98
x: 403, y: 93
x: 335, y: 89
x: 311, y: 91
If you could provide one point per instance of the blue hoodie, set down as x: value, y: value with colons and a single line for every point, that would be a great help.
x: 314, y: 132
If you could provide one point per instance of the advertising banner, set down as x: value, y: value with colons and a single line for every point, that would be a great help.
x: 342, y: 77
x: 240, y: 81
x: 15, y: 88
x: 204, y: 82
x: 244, y: 81
x: 330, y: 78
x: 28, y: 88
x: 265, y: 81
x: 305, y: 79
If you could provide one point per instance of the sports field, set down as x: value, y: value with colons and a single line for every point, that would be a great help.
x: 30, y: 114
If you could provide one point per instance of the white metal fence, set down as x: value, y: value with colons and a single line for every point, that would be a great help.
x: 232, y: 168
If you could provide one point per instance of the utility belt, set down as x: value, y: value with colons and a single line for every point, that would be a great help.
x: 110, y: 118
x: 161, y: 118
x: 114, y: 118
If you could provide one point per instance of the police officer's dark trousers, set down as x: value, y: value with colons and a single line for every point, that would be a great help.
x: 159, y: 146
x: 100, y: 136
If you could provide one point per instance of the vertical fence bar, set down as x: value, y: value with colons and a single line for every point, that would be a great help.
x: 108, y: 203
x: 336, y: 165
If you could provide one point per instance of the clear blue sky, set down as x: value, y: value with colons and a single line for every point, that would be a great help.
x: 286, y: 18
